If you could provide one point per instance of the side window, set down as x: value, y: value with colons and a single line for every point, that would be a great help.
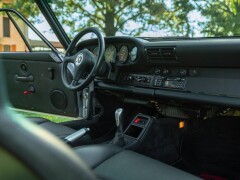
x: 10, y: 39
x: 17, y: 36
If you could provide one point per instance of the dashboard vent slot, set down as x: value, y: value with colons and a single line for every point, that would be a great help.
x: 158, y: 54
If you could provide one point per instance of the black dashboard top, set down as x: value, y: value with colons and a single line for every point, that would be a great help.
x: 201, y: 52
x: 206, y: 66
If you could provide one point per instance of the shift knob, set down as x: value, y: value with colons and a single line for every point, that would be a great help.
x: 119, y: 119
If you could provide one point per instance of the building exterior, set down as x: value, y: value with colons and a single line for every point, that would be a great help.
x: 10, y: 39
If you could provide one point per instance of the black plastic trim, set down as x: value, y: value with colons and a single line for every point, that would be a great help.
x: 173, y: 95
x: 32, y: 56
x: 126, y: 89
x: 204, y: 52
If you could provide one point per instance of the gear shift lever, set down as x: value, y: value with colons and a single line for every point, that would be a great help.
x: 119, y: 120
x: 119, y: 139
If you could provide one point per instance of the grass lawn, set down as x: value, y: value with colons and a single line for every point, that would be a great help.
x: 51, y: 117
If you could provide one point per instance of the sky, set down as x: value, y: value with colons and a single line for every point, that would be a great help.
x: 45, y: 29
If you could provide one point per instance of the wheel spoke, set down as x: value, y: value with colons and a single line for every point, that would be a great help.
x: 73, y: 84
x: 69, y: 59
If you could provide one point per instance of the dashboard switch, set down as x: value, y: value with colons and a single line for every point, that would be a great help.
x: 30, y: 90
x: 130, y: 78
x: 157, y: 71
x: 193, y: 72
x: 165, y: 72
x: 183, y: 72
x: 137, y: 120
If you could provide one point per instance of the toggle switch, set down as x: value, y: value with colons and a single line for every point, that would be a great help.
x: 137, y: 120
x: 30, y: 90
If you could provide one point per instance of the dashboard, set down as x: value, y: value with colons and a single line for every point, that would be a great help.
x: 204, y: 70
x: 122, y: 53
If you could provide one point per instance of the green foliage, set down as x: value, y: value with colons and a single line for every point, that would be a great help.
x: 223, y: 17
x: 113, y: 16
x: 133, y: 17
x: 27, y: 7
x: 51, y: 117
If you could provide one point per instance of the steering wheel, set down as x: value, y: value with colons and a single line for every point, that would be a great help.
x: 83, y: 61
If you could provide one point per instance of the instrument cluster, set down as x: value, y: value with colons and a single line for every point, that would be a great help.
x: 118, y: 54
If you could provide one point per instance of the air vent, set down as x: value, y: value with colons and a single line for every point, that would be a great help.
x: 159, y: 54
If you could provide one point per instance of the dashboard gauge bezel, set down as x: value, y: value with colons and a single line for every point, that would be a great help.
x: 126, y: 54
x: 135, y: 53
x: 111, y: 58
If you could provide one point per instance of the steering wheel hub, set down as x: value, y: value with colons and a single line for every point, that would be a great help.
x: 79, y: 59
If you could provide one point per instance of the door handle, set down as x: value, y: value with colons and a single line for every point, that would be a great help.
x: 24, y: 78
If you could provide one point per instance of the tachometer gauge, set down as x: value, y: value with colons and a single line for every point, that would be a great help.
x: 123, y: 54
x: 110, y: 54
x: 95, y: 51
x: 133, y: 54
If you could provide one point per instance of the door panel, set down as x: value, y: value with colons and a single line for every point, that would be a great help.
x: 49, y: 94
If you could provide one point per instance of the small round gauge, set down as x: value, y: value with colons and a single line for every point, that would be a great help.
x: 110, y: 54
x: 123, y: 54
x: 133, y: 54
x: 95, y: 51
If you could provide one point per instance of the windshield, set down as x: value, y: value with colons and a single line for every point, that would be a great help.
x: 151, y: 18
x: 142, y: 18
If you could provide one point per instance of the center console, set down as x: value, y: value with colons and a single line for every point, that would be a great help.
x: 136, y: 131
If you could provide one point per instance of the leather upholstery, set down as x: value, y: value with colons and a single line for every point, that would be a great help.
x: 111, y: 162
x: 58, y: 130
x: 98, y: 153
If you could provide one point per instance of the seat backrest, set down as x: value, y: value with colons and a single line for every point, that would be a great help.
x: 43, y: 155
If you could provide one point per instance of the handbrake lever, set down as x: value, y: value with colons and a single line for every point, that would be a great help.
x: 75, y: 136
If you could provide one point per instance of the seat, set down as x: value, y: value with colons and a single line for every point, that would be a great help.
x: 48, y: 158
x: 58, y: 130
x: 112, y: 162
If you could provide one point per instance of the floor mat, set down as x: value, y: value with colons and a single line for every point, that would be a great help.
x: 214, y: 149
x: 163, y: 141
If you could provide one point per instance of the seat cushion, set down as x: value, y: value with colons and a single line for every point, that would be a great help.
x: 59, y: 130
x: 111, y: 162
x: 94, y: 155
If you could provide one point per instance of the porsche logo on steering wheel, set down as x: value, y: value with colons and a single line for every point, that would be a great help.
x: 79, y: 59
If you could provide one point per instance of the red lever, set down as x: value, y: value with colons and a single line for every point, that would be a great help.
x: 30, y: 90
x: 137, y: 120
x: 27, y: 92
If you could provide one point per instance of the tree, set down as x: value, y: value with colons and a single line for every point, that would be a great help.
x: 131, y: 17
x: 113, y: 16
x: 222, y: 17
x: 27, y: 7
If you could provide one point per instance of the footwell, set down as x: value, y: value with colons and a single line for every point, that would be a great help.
x: 213, y: 152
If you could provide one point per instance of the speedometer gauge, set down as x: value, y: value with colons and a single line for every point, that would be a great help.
x: 133, y: 54
x: 110, y: 54
x: 123, y: 54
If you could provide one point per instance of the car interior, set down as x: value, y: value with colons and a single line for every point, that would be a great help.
x: 146, y: 108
